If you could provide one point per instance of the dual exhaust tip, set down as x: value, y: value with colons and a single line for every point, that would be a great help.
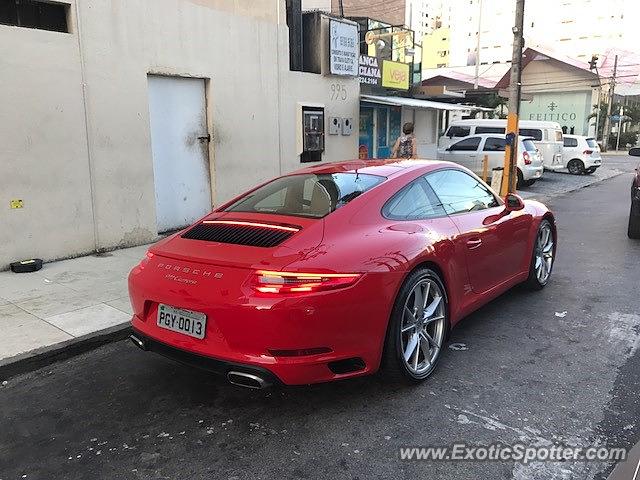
x: 240, y: 379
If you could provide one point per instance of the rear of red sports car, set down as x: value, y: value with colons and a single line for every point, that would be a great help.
x: 231, y: 294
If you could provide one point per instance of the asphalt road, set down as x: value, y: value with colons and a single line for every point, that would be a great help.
x: 555, y: 366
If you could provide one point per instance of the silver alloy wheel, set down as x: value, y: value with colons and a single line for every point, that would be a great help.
x: 544, y: 253
x: 423, y: 326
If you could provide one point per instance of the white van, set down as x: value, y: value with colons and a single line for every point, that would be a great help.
x: 547, y: 136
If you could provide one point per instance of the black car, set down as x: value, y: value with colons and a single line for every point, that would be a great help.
x: 634, y: 214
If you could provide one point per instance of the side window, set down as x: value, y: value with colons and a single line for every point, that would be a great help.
x: 490, y: 130
x: 413, y: 202
x: 534, y: 133
x: 458, y: 131
x: 494, y: 144
x: 466, y: 145
x: 570, y: 142
x: 459, y: 192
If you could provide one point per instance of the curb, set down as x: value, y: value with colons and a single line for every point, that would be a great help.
x: 44, y: 356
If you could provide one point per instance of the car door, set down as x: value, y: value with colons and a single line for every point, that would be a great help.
x: 464, y: 152
x: 495, y: 244
x: 493, y: 148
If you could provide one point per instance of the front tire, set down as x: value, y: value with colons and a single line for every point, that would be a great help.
x: 417, y: 328
x: 634, y: 221
x: 542, y: 257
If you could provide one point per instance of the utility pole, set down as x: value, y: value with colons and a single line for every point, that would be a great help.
x: 341, y: 5
x: 607, y: 119
x: 620, y: 114
x: 475, y: 83
x: 510, y: 154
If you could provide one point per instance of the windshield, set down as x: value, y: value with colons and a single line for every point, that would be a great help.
x: 306, y: 195
x: 529, y: 146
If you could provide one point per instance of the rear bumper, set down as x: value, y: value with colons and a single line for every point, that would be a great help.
x: 214, y: 365
x: 529, y: 172
x: 347, y: 325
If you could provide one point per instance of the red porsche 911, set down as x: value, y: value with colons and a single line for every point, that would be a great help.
x: 336, y: 271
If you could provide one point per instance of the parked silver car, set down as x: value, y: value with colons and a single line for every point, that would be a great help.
x: 470, y: 152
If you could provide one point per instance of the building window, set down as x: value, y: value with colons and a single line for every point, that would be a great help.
x: 35, y: 14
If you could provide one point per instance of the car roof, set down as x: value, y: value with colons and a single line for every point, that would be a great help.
x: 499, y: 122
x: 576, y: 136
x: 494, y: 135
x: 384, y: 167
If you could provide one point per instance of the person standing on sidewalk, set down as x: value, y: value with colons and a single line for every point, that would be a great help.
x: 405, y: 146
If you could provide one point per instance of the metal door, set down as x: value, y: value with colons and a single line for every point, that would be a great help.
x: 180, y: 146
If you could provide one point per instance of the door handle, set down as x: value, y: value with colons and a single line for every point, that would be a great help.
x: 206, y: 138
x: 473, y: 243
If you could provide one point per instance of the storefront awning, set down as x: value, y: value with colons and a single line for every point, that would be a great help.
x: 415, y: 103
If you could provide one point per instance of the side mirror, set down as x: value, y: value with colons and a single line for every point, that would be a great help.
x: 634, y: 152
x: 513, y: 202
x: 448, y: 149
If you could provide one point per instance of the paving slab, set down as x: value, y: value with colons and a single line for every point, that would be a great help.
x: 90, y: 319
x: 22, y: 332
x: 123, y: 304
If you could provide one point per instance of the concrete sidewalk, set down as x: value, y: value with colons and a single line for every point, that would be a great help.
x: 63, y: 303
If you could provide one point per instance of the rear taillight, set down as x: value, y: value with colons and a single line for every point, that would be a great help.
x: 527, y: 158
x: 277, y: 283
x: 148, y: 256
x: 588, y: 152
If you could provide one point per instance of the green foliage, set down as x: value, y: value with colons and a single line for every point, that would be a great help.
x: 632, y: 111
x: 626, y: 138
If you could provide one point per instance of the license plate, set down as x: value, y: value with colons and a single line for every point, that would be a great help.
x: 182, y: 321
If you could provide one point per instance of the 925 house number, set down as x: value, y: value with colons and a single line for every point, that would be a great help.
x: 338, y: 92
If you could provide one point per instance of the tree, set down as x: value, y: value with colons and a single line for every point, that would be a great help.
x: 493, y: 101
x: 630, y: 111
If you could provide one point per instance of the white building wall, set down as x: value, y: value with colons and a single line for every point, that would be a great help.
x: 575, y: 28
x: 44, y: 147
x: 67, y: 174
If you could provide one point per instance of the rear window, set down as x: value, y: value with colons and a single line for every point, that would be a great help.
x: 534, y: 133
x: 490, y: 130
x: 457, y: 131
x: 570, y: 142
x: 310, y: 195
x: 529, y: 146
x: 592, y: 142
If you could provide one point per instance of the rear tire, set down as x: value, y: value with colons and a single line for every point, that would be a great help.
x: 528, y: 183
x: 520, y: 183
x: 634, y: 221
x: 414, y: 333
x: 542, y: 257
x: 575, y: 166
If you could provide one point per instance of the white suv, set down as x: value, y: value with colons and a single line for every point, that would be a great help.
x: 470, y: 152
x: 581, y: 154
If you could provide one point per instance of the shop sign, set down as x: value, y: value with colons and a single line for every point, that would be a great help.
x: 369, y: 71
x: 343, y: 48
x: 395, y: 75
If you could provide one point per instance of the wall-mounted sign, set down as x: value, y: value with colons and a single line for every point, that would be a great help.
x: 343, y: 48
x: 369, y: 71
x: 395, y: 75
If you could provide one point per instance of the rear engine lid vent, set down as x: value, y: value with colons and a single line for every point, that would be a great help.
x: 240, y: 232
